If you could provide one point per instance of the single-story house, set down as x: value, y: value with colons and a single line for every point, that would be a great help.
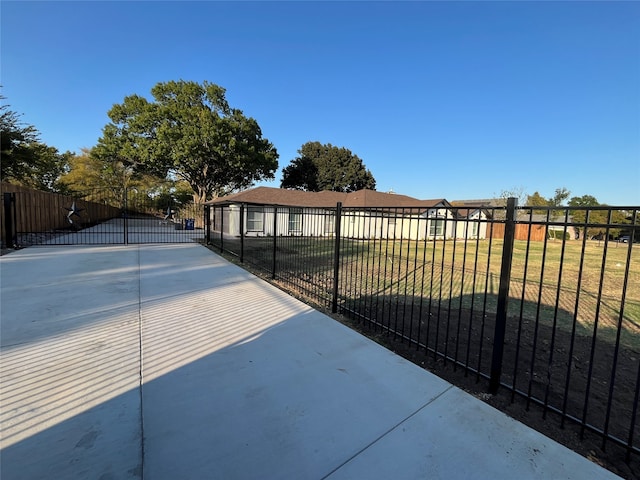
x: 365, y: 214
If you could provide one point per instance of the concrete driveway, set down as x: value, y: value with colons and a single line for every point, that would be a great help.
x: 168, y: 362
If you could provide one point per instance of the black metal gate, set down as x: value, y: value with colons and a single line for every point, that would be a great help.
x: 99, y: 217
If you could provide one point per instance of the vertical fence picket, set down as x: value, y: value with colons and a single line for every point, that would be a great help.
x: 336, y: 258
x: 207, y: 224
x: 275, y: 242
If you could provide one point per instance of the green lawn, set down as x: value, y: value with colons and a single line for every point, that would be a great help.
x: 469, y: 274
x: 591, y: 291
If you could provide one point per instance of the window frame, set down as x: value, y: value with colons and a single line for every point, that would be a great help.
x: 251, y: 212
x: 295, y: 220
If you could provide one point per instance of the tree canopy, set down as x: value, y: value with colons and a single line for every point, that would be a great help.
x: 26, y: 160
x: 325, y: 167
x: 584, y: 201
x: 515, y: 192
x: 559, y: 196
x: 189, y: 131
x: 88, y: 175
x: 596, y: 217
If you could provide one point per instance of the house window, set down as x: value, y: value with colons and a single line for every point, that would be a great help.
x: 295, y: 220
x: 330, y: 223
x: 255, y: 219
x: 217, y: 219
x: 436, y: 227
x: 474, y: 229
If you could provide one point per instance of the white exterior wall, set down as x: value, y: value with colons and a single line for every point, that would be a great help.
x: 464, y: 228
x: 229, y: 221
x: 356, y: 224
x: 314, y: 222
x: 420, y: 227
x: 360, y: 224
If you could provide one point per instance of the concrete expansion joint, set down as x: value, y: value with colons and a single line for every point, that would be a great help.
x: 376, y: 440
x: 140, y: 360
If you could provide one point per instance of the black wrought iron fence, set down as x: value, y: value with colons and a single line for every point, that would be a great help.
x: 97, y: 216
x: 543, y: 303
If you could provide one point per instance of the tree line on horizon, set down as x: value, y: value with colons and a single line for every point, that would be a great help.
x: 188, y: 142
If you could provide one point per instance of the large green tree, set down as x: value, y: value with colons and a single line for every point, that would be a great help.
x: 325, y: 167
x: 26, y: 160
x: 559, y: 196
x: 188, y: 130
x: 46, y: 168
x: 595, y: 217
x: 537, y: 200
x: 15, y: 139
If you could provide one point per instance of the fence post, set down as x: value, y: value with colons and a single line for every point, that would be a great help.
x: 275, y: 237
x: 503, y: 295
x: 207, y: 224
x: 10, y: 239
x: 336, y: 259
x: 221, y: 228
x: 242, y: 233
x: 125, y: 225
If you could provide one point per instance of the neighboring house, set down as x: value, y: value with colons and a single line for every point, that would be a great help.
x: 472, y: 222
x: 365, y: 214
x: 484, y: 202
x: 556, y: 222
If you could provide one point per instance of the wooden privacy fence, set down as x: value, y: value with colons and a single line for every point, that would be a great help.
x: 538, y: 232
x: 38, y: 211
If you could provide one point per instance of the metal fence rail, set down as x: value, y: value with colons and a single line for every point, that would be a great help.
x: 541, y: 303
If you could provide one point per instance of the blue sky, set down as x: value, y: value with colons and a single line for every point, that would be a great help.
x: 456, y: 100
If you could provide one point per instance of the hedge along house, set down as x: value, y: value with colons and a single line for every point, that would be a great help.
x: 265, y: 211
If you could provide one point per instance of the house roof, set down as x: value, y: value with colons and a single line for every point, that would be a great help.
x: 372, y: 198
x: 297, y: 198
x: 486, y: 202
x: 283, y: 197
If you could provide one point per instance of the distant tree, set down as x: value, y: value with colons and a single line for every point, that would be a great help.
x: 46, y: 168
x: 301, y: 174
x: 105, y: 180
x: 190, y: 131
x: 15, y: 140
x: 172, y: 193
x: 513, y: 192
x: 596, y: 217
x: 537, y: 200
x: 560, y: 195
x: 583, y: 201
x: 325, y: 167
x: 580, y: 215
x: 26, y: 160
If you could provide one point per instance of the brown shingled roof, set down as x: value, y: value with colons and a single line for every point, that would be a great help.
x: 372, y: 198
x: 283, y: 197
x: 298, y: 198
